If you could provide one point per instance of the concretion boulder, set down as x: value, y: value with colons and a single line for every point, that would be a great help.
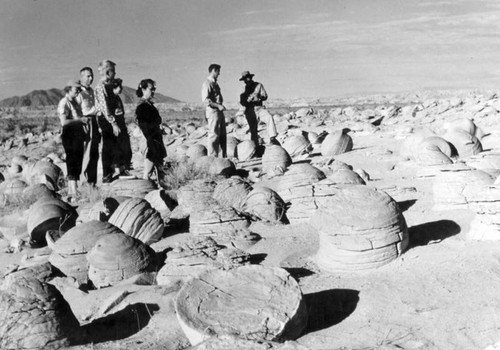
x: 251, y: 302
x: 49, y: 214
x: 296, y: 176
x: 196, y: 151
x: 464, y: 143
x: 275, y: 159
x: 34, y: 315
x: 489, y: 162
x: 214, y: 165
x: 231, y: 146
x: 454, y: 188
x: 433, y: 150
x: 44, y: 171
x: 101, y: 210
x: 411, y: 145
x: 137, y: 188
x: 116, y: 257
x: 232, y: 192
x: 197, y: 255
x: 245, y: 150
x: 346, y: 176
x: 215, y: 220
x: 227, y: 342
x: 464, y: 124
x: 138, y: 219
x: 195, y: 193
x: 262, y: 203
x: 359, y: 228
x: 69, y: 253
x: 336, y: 143
x: 162, y: 201
x: 297, y: 145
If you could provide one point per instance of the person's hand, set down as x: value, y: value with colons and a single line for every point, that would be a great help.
x: 84, y: 120
x: 116, y: 130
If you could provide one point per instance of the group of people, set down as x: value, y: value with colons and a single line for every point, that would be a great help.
x: 90, y: 117
x: 251, y: 101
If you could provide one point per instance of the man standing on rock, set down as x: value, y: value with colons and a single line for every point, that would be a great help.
x: 91, y: 148
x: 252, y: 99
x: 214, y: 111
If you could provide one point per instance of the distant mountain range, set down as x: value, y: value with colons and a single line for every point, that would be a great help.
x: 51, y: 97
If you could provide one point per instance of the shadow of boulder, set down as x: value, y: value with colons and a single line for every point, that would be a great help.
x: 329, y: 307
x: 298, y: 272
x: 119, y: 325
x: 432, y: 231
x: 405, y: 205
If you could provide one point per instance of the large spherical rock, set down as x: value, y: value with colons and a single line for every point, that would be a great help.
x: 297, y: 145
x: 264, y: 204
x: 232, y: 192
x: 69, y: 253
x: 245, y: 150
x: 359, y: 228
x: 116, y: 257
x: 214, y: 165
x: 196, y: 151
x: 297, y: 176
x: 34, y: 315
x: 253, y: 302
x: 336, y: 143
x: 138, y: 219
x: 433, y: 150
x: 275, y: 158
x: 465, y: 144
x: 49, y: 214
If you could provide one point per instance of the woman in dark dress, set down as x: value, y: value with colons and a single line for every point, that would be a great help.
x: 149, y: 121
x: 123, y: 156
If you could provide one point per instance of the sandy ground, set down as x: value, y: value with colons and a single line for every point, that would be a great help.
x: 440, y: 294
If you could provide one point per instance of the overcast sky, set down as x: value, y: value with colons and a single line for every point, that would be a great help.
x: 296, y: 48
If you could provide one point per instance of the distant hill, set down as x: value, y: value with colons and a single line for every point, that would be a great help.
x: 51, y: 97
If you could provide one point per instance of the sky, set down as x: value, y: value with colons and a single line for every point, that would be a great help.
x: 296, y: 48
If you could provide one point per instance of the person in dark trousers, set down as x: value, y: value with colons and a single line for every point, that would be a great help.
x: 123, y: 155
x: 252, y: 99
x: 86, y: 99
x: 74, y: 132
x: 106, y: 120
x: 149, y: 121
x: 214, y: 111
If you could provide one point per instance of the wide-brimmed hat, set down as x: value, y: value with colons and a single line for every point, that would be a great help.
x: 246, y: 74
x: 74, y: 83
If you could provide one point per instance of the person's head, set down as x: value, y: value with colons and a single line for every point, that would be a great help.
x: 107, y: 69
x: 214, y: 70
x: 246, y: 77
x: 117, y: 86
x: 146, y: 89
x: 72, y: 89
x: 86, y: 76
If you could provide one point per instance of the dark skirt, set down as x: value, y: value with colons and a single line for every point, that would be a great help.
x: 73, y: 140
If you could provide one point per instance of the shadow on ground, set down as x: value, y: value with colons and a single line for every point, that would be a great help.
x: 119, y: 325
x: 329, y: 307
x: 432, y: 232
x: 298, y: 272
x: 405, y: 205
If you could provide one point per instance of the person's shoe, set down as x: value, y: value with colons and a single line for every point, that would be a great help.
x: 107, y: 179
x: 125, y: 172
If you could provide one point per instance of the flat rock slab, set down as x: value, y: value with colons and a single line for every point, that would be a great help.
x: 231, y: 343
x: 252, y: 302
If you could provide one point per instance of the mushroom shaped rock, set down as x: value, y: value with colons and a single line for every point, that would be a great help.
x: 116, y: 257
x: 464, y: 143
x: 275, y: 159
x: 433, y: 150
x: 227, y: 342
x: 456, y: 187
x: 34, y: 315
x: 359, y: 228
x: 137, y: 188
x: 264, y: 204
x: 297, y: 145
x: 232, y: 192
x: 196, y: 255
x: 49, y: 214
x: 196, y: 151
x: 138, y: 219
x: 245, y: 150
x: 336, y: 143
x: 69, y: 253
x: 251, y: 302
x: 215, y: 220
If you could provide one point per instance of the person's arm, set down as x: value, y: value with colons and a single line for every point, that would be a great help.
x: 64, y: 113
x: 205, y: 97
x: 262, y: 92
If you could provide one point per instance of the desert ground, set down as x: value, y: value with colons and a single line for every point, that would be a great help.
x: 441, y: 292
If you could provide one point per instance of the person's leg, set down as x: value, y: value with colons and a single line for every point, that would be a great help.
x: 91, y: 152
x: 213, y: 135
x: 222, y: 134
x: 252, y: 124
x: 268, y: 118
x: 148, y: 168
x: 107, y: 156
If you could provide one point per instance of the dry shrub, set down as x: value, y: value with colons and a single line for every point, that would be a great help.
x: 180, y: 173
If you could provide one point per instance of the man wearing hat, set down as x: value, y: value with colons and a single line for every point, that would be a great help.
x: 212, y: 99
x: 252, y: 98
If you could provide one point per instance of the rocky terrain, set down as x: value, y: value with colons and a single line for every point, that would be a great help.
x: 373, y: 225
